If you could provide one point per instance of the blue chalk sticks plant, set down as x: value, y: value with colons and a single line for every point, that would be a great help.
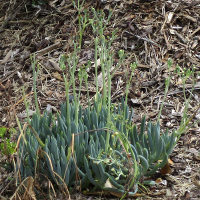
x: 96, y: 147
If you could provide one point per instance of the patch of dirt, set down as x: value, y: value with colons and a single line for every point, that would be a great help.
x: 149, y: 31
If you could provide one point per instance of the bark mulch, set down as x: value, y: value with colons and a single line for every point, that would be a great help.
x: 150, y: 32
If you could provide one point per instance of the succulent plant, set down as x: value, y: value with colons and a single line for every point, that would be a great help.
x: 76, y: 153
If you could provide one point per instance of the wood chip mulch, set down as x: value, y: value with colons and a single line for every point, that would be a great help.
x: 150, y: 32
